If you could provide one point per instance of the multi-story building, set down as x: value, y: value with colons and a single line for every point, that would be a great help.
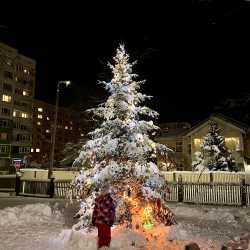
x: 17, y: 84
x: 70, y: 128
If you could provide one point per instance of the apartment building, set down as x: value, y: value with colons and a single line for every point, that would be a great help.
x: 70, y: 128
x: 17, y: 84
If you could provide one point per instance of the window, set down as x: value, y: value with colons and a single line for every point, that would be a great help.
x: 189, y: 148
x: 47, y: 131
x: 7, y: 86
x: 48, y: 118
x: 25, y: 115
x: 19, y: 91
x: 40, y: 110
x: 39, y: 123
x: 25, y: 104
x: 8, y: 74
x: 233, y: 143
x: 24, y: 149
x: 26, y: 71
x: 38, y: 136
x: 4, y: 136
x: 66, y: 127
x: 40, y: 117
x: 8, y: 61
x: 25, y: 93
x: 25, y: 82
x: 178, y: 146
x: 71, y: 122
x: 17, y: 113
x: 5, y: 111
x: 24, y: 127
x: 59, y: 120
x: 197, y: 142
x: 37, y: 150
x: 5, y: 124
x: 38, y: 130
x: 19, y: 67
x: 16, y: 125
x: 6, y: 98
x: 3, y: 149
x: 70, y: 128
x: 25, y: 138
x: 82, y: 134
x: 32, y: 150
x: 37, y: 143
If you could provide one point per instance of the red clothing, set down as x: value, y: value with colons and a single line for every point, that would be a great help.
x: 104, y: 210
x: 104, y: 235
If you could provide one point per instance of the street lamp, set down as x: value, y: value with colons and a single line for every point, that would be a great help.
x: 54, y: 130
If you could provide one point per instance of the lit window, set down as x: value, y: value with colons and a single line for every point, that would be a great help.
x: 197, y: 142
x: 233, y: 143
x: 40, y: 110
x: 4, y: 136
x: 47, y: 131
x: 14, y: 113
x: 16, y: 79
x: 40, y: 116
x: 25, y: 115
x: 6, y: 98
x: 26, y: 71
x: 37, y: 150
x: 48, y: 118
x: 70, y: 128
x: 81, y: 134
x: 32, y: 150
x: 39, y: 123
x: 71, y: 122
x: 26, y: 93
x: 66, y: 127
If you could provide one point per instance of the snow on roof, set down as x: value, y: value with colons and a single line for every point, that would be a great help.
x: 171, y: 133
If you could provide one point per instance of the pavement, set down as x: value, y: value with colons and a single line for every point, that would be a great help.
x: 10, y: 200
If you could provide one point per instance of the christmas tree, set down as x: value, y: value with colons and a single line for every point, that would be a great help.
x: 214, y: 155
x: 121, y: 153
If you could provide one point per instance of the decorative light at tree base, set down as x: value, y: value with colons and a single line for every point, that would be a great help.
x: 119, y: 152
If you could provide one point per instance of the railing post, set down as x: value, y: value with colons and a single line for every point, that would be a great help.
x: 52, y: 186
x: 17, y: 188
x: 243, y: 191
x: 180, y: 189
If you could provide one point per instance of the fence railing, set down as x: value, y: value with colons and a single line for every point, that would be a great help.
x: 7, y: 183
x: 237, y: 193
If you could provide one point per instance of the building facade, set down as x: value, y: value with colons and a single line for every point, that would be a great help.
x: 70, y: 128
x: 17, y: 84
x: 237, y: 139
x: 168, y: 135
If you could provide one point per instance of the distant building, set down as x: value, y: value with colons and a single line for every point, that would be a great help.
x: 237, y: 139
x: 70, y: 128
x: 17, y: 84
x: 169, y: 135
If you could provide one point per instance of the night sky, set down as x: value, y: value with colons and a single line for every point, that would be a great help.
x: 200, y: 52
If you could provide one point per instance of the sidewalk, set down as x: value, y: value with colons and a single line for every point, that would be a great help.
x: 12, y: 201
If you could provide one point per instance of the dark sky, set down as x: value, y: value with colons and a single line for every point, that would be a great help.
x: 202, y: 49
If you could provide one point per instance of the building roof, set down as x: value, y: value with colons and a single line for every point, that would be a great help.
x: 219, y: 117
x: 173, y: 133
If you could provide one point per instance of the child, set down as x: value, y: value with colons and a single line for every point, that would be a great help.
x: 103, y: 216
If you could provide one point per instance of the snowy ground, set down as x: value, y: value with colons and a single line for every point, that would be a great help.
x: 45, y: 226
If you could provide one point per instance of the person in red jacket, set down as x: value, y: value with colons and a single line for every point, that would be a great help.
x: 103, y: 216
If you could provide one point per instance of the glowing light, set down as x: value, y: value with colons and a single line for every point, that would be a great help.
x: 148, y: 210
x: 148, y: 224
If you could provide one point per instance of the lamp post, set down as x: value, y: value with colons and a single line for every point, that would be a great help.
x: 54, y: 131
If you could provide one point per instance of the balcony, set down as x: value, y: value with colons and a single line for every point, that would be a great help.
x: 25, y: 83
x: 26, y: 73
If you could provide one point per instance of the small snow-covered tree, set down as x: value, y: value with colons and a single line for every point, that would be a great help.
x: 214, y: 155
x: 120, y: 152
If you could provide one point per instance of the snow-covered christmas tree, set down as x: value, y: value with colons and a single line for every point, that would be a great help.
x: 214, y: 155
x: 121, y: 153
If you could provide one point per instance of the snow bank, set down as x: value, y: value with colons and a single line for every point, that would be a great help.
x: 31, y: 213
x: 123, y: 237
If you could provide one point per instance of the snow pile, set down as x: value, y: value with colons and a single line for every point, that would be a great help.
x: 122, y: 238
x: 31, y: 213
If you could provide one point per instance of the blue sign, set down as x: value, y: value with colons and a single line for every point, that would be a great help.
x: 17, y: 160
x: 25, y: 165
